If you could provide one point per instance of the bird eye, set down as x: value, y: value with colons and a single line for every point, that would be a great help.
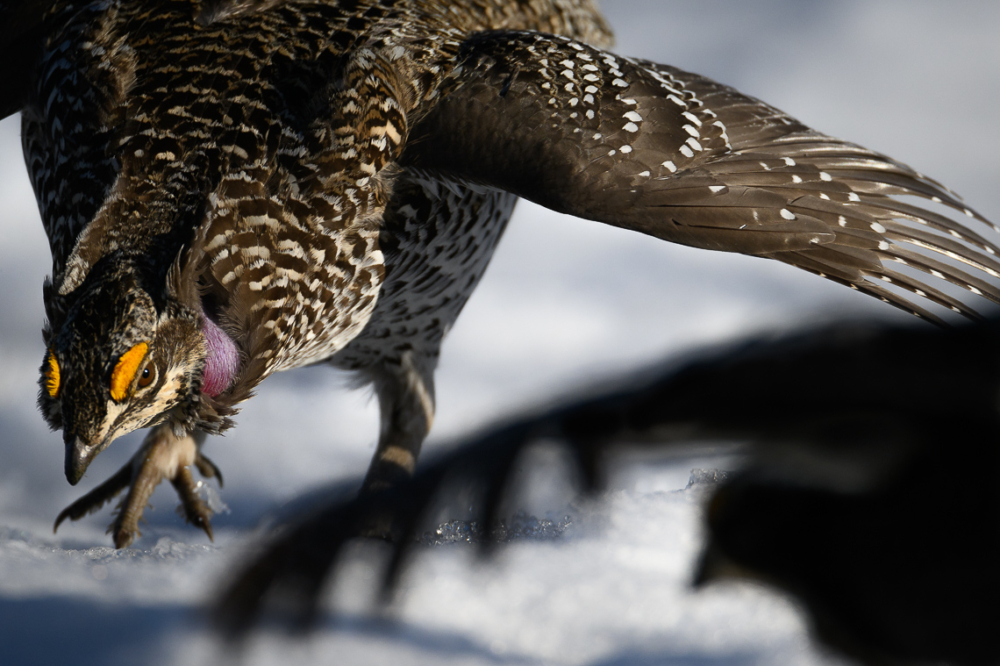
x: 124, y: 372
x: 52, y: 375
x: 146, y: 377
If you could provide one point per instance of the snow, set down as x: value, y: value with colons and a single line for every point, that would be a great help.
x: 916, y: 80
x: 606, y: 591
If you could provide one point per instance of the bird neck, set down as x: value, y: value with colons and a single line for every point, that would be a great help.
x: 222, y: 361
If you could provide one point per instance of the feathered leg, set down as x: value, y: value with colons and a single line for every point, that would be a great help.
x: 406, y: 402
x: 438, y: 239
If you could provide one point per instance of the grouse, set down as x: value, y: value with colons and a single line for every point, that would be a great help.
x: 231, y: 188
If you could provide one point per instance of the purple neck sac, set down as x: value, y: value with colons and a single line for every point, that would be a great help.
x: 223, y: 360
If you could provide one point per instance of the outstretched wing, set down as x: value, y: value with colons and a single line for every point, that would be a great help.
x: 20, y: 47
x: 677, y: 156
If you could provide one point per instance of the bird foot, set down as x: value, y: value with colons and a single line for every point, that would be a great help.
x: 384, y: 527
x: 163, y: 455
x: 382, y: 524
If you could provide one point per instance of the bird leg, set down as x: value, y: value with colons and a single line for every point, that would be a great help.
x: 163, y: 455
x: 406, y: 404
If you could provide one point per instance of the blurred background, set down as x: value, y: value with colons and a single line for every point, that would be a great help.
x: 565, y: 301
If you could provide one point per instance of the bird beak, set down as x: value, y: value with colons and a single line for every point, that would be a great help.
x: 79, y: 454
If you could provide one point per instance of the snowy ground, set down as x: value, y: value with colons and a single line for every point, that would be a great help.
x: 916, y: 80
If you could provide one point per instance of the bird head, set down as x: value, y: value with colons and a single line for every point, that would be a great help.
x: 120, y: 356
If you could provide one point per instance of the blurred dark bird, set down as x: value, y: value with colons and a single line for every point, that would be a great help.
x: 898, y: 571
x: 231, y: 188
x: 878, y: 508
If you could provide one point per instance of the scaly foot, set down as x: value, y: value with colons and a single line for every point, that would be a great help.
x: 163, y: 455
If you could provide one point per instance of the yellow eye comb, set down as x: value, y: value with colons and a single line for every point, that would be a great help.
x: 52, y: 375
x: 125, y: 371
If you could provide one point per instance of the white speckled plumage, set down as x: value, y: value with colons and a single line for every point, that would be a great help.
x: 327, y: 181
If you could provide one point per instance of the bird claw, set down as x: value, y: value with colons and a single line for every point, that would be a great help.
x: 163, y: 455
x: 194, y: 509
x: 96, y: 498
x: 207, y: 468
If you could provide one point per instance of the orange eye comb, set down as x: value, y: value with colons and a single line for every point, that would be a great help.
x: 125, y: 371
x: 52, y: 376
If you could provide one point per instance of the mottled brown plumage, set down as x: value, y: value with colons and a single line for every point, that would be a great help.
x: 231, y: 189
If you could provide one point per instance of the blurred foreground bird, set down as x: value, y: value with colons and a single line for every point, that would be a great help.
x: 232, y: 188
x: 899, y: 571
x: 878, y: 509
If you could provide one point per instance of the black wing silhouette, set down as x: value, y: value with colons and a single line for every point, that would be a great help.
x: 851, y: 409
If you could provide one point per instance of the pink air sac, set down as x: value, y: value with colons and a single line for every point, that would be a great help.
x: 222, y: 362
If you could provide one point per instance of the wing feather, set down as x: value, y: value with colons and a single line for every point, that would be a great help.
x: 651, y: 148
